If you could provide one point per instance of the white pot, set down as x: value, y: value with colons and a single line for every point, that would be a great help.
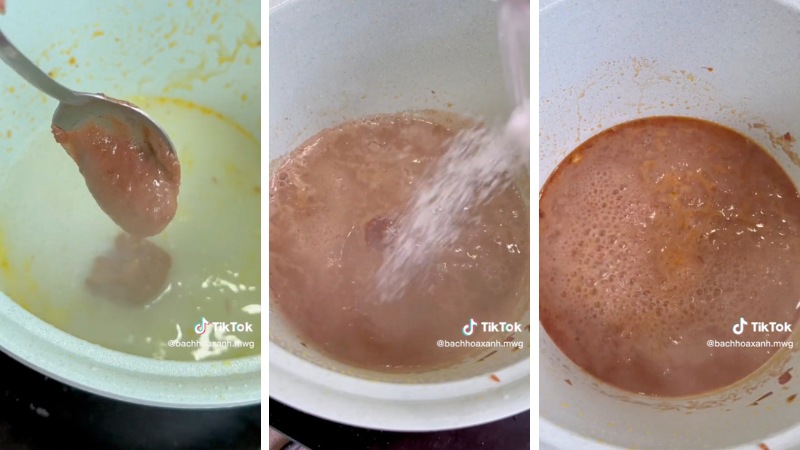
x: 602, y: 63
x: 162, y: 44
x: 335, y: 61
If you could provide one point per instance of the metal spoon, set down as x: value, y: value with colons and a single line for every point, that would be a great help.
x: 75, y: 108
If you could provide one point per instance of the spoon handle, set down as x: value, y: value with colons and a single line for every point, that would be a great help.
x: 30, y: 72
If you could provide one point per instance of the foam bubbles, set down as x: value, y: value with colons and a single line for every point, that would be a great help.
x: 643, y: 247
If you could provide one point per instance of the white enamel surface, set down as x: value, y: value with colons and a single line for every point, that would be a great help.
x: 129, y: 48
x: 335, y: 61
x: 602, y: 63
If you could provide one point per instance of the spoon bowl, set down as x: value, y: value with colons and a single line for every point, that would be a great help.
x: 76, y: 108
x: 85, y: 107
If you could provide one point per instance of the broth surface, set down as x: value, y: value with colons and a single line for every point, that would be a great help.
x: 658, y: 236
x: 334, y: 207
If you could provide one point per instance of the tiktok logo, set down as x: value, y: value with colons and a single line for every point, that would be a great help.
x: 763, y: 327
x: 200, y: 327
x: 739, y: 327
x: 469, y: 328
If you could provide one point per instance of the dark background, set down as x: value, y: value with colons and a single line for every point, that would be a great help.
x: 513, y: 433
x: 39, y: 413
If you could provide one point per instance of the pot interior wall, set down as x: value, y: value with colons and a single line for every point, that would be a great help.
x: 331, y: 62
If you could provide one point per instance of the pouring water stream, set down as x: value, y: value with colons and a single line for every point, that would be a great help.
x: 479, y: 164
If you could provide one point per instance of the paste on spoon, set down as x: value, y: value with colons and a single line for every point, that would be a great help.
x: 135, y: 183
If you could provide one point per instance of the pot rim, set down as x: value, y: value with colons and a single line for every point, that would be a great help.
x: 397, y: 406
x: 121, y: 376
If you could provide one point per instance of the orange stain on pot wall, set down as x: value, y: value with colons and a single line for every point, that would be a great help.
x: 10, y: 277
x: 18, y: 283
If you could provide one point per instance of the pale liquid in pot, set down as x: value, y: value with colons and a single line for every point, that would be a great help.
x: 658, y: 236
x: 51, y: 231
